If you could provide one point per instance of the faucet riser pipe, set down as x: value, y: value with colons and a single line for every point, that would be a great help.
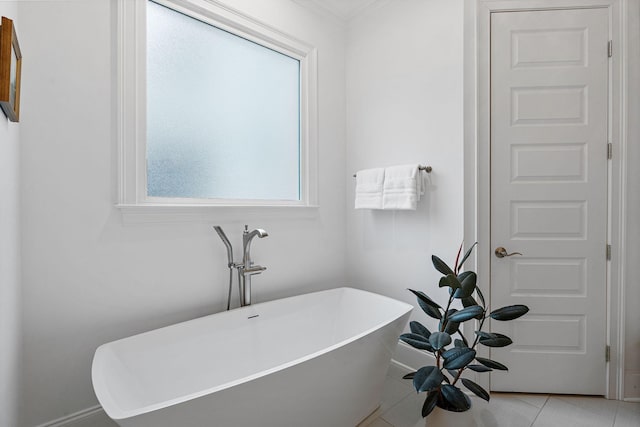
x: 247, y: 290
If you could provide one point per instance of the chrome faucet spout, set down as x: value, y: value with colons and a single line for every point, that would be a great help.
x: 247, y: 238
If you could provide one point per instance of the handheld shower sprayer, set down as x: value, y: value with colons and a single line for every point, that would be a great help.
x: 230, y: 263
x: 226, y: 242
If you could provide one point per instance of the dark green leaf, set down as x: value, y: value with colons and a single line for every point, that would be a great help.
x: 453, y: 374
x: 430, y: 311
x: 419, y: 329
x: 492, y: 364
x: 483, y: 334
x: 430, y: 402
x: 467, y: 313
x: 496, y: 340
x: 510, y: 312
x: 427, y: 378
x: 416, y: 337
x: 466, y: 255
x: 452, y: 352
x: 459, y: 343
x: 479, y: 368
x: 418, y: 344
x: 430, y: 307
x: 451, y: 327
x: 454, y: 399
x: 439, y: 340
x: 409, y: 376
x: 458, y: 358
x: 423, y: 297
x: 476, y: 389
x: 468, y: 301
x: 416, y: 341
x: 467, y: 284
x: 441, y: 266
x: 481, y: 296
x: 449, y: 280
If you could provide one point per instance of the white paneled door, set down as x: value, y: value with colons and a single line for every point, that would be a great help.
x: 549, y: 104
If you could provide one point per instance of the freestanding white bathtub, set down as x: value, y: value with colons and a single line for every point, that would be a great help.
x: 312, y: 360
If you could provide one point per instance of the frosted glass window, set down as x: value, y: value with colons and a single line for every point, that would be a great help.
x: 223, y: 113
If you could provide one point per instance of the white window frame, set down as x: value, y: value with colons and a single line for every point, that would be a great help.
x: 131, y: 105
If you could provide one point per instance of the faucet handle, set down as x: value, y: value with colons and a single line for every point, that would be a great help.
x: 254, y: 269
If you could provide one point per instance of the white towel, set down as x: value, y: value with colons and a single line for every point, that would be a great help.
x: 369, y: 184
x: 403, y: 186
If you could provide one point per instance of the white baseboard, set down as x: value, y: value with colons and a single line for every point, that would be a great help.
x: 632, y: 399
x: 76, y: 418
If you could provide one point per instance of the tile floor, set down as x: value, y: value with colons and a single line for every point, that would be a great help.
x: 401, y: 407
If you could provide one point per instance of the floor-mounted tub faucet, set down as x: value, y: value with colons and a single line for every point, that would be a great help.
x: 246, y: 268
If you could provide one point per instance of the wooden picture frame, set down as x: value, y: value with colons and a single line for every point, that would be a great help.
x: 10, y: 70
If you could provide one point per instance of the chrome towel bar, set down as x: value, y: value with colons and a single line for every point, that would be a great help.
x: 427, y: 169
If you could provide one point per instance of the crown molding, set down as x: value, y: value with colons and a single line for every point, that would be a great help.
x: 342, y: 14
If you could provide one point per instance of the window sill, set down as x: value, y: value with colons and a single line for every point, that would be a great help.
x: 156, y: 213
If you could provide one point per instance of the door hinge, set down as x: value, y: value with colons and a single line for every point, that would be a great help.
x: 609, y: 151
x: 610, y: 48
x: 607, y: 353
x: 608, y: 252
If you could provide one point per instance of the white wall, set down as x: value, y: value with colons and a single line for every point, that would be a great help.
x: 405, y: 105
x: 9, y: 256
x: 88, y: 278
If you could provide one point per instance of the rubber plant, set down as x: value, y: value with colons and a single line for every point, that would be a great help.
x: 453, y: 356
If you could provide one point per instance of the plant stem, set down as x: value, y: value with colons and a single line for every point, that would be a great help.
x: 455, y: 380
x: 475, y: 342
x: 446, y: 314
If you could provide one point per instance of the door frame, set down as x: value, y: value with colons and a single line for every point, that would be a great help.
x: 477, y: 14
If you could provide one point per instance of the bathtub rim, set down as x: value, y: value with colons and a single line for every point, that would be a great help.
x: 113, y: 410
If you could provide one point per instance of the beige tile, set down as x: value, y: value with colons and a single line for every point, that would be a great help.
x: 537, y: 400
x: 407, y: 412
x: 577, y: 410
x: 511, y: 411
x: 371, y: 418
x: 394, y: 391
x: 99, y: 419
x: 630, y: 406
x: 590, y: 403
x: 380, y: 423
x: 628, y: 415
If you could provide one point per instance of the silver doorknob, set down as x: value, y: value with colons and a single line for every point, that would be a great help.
x: 502, y: 252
